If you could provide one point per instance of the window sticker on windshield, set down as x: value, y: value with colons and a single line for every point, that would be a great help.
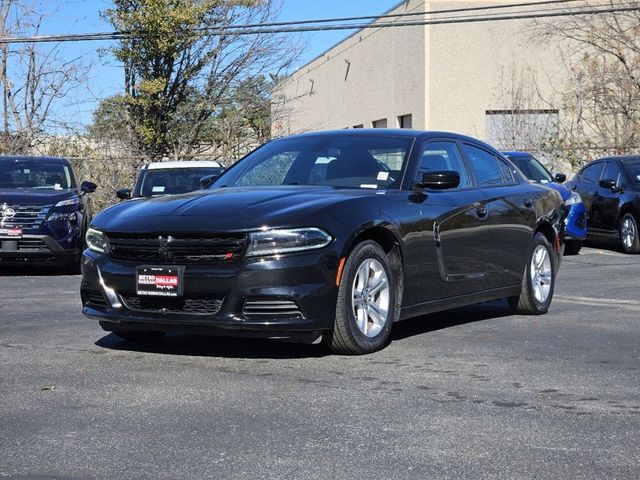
x: 367, y: 185
x: 544, y: 181
x: 27, y: 170
x: 638, y: 178
x: 383, y: 176
x: 158, y: 189
x: 57, y: 186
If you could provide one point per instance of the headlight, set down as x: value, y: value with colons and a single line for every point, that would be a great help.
x: 271, y: 242
x: 66, y: 203
x: 97, y: 241
x: 573, y: 199
x: 63, y: 217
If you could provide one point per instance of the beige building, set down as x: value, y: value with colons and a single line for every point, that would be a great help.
x: 478, y: 79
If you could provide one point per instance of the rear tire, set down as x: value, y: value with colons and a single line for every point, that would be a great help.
x: 572, y: 247
x: 368, y: 302
x: 538, y: 281
x: 629, y: 236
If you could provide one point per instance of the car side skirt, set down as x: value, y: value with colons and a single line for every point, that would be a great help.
x: 459, y: 301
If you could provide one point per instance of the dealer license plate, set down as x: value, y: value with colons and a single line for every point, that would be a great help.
x: 10, y: 232
x: 160, y: 281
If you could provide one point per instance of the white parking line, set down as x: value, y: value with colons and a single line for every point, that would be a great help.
x: 627, y: 304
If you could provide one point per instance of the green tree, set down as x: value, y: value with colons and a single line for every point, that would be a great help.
x: 179, y: 76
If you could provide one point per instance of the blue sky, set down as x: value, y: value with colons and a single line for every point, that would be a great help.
x: 81, y: 16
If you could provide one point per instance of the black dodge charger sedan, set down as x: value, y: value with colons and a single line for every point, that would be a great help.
x: 334, y: 235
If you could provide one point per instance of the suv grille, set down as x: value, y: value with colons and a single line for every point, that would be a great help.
x: 28, y: 215
x: 182, y: 248
x: 192, y: 305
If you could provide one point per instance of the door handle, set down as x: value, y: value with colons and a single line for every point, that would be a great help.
x: 482, y: 212
x: 528, y: 203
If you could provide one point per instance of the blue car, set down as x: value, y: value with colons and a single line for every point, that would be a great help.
x: 576, y: 220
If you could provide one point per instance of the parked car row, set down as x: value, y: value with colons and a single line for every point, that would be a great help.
x: 331, y: 235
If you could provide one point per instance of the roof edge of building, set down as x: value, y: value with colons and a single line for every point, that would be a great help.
x: 320, y: 55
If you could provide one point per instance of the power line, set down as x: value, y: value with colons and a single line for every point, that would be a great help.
x: 246, y: 30
x: 401, y: 15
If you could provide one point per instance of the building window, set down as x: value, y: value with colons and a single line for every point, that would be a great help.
x: 358, y: 126
x: 405, y: 121
x: 382, y: 123
x: 521, y: 129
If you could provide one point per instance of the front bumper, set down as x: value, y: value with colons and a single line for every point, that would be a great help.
x: 35, y: 249
x: 576, y: 222
x: 271, y: 297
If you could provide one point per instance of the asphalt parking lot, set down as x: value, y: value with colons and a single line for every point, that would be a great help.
x: 474, y: 393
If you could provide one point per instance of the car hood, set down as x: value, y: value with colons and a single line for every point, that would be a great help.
x: 565, y: 193
x: 34, y: 197
x: 238, y: 208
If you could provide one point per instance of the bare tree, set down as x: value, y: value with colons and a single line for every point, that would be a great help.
x: 35, y: 80
x: 602, y: 96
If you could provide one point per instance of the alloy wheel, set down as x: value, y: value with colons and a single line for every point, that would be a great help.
x: 541, y: 274
x: 628, y: 232
x: 370, y: 297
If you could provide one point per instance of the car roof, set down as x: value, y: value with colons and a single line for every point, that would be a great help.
x: 389, y: 132
x: 517, y: 154
x: 23, y: 158
x: 182, y: 164
x: 621, y: 158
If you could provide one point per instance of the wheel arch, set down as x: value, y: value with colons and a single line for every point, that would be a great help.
x: 388, y: 237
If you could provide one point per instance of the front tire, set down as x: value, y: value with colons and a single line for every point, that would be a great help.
x: 538, y: 281
x: 368, y: 302
x: 629, y: 234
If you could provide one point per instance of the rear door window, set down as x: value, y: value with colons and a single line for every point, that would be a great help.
x: 488, y: 169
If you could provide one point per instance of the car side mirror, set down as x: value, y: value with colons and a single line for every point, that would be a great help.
x: 440, y: 180
x: 123, y: 193
x: 610, y: 184
x: 88, y: 187
x: 207, y: 180
x: 560, y: 177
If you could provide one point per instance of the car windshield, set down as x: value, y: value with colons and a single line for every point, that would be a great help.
x: 532, y: 169
x: 633, y: 169
x: 38, y: 175
x: 173, y: 181
x: 363, y: 161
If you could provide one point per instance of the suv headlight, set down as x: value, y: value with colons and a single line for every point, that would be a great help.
x: 286, y: 240
x: 97, y: 241
x: 573, y: 199
x: 67, y: 203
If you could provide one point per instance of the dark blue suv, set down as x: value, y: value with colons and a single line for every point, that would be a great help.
x: 43, y: 213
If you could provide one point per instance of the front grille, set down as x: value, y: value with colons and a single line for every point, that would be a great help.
x: 93, y: 299
x: 271, y: 307
x: 24, y: 245
x: 187, y: 304
x: 27, y: 215
x: 178, y: 248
